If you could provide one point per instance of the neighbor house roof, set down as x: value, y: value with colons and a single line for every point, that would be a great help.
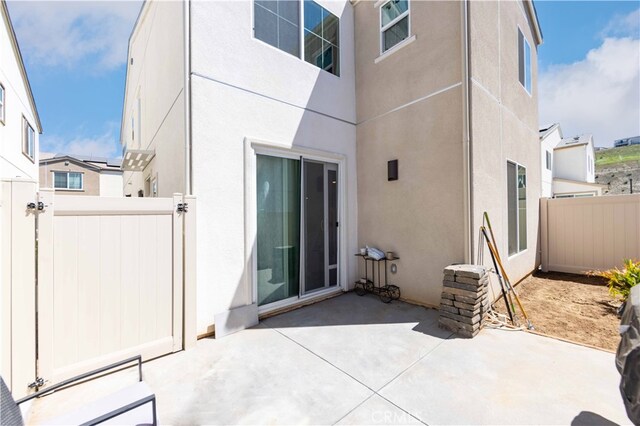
x: 547, y: 130
x: 23, y: 70
x: 574, y: 141
x: 95, y: 163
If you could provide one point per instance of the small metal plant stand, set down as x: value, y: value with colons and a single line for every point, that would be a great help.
x: 387, y: 292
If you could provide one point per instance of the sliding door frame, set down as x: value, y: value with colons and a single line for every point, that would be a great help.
x: 254, y: 147
x: 327, y: 267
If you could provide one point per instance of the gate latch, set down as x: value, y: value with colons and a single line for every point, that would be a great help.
x: 32, y: 206
x: 38, y: 383
x: 182, y: 207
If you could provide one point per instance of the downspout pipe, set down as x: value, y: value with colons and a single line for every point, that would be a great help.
x: 466, y: 137
x: 188, y: 181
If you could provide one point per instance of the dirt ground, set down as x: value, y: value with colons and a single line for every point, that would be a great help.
x: 573, y: 307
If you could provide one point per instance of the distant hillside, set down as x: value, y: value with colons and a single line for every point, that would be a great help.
x: 616, y: 167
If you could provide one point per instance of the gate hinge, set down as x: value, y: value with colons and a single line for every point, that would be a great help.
x: 38, y: 383
x: 32, y: 206
x: 183, y: 207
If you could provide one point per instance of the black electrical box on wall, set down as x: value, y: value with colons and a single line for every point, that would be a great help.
x: 392, y: 170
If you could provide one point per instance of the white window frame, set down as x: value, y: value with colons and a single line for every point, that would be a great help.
x: 391, y: 24
x: 67, y: 188
x: 3, y: 96
x: 28, y: 144
x: 527, y: 63
x: 254, y: 147
x: 519, y: 251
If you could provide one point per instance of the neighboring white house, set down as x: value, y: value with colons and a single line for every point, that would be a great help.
x: 568, y: 165
x: 19, y: 121
x: 550, y: 137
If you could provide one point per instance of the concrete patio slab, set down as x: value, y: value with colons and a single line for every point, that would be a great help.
x: 257, y: 376
x: 507, y: 377
x: 313, y: 368
x: 371, y: 341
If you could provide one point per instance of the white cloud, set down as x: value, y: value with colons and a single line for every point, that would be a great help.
x: 66, y: 33
x: 103, y: 145
x: 623, y: 25
x: 599, y: 94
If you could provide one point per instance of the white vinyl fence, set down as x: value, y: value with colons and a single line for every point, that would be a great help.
x: 591, y: 233
x: 17, y: 284
x: 112, y: 281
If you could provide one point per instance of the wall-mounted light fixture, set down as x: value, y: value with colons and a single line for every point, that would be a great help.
x: 392, y: 170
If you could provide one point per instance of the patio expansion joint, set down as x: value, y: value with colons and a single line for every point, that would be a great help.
x: 414, y: 363
x: 374, y: 392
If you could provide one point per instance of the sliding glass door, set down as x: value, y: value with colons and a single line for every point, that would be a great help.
x: 297, y: 227
x: 278, y: 231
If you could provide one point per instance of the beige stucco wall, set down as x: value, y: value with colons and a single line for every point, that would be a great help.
x: 428, y: 64
x: 90, y: 178
x: 504, y: 123
x: 156, y: 77
x: 419, y: 216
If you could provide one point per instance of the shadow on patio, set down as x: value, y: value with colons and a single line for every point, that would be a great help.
x: 355, y: 360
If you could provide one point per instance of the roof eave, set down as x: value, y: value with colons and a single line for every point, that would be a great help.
x: 533, y: 16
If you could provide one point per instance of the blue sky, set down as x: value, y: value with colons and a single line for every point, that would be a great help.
x: 570, y: 28
x: 589, y: 64
x: 75, y: 53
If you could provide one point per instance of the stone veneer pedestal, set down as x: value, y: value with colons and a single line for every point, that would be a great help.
x: 464, y: 302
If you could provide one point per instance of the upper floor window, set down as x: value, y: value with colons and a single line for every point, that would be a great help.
x: 67, y: 180
x: 28, y: 139
x: 277, y: 22
x: 394, y: 23
x: 1, y: 104
x: 548, y: 160
x: 524, y: 61
x: 321, y: 32
x: 517, y: 207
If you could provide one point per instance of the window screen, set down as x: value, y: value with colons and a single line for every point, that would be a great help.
x: 277, y: 22
x: 516, y: 207
x: 524, y: 62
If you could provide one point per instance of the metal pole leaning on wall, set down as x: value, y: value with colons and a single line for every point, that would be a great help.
x: 495, y: 266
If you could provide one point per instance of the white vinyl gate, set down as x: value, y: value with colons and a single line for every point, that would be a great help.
x: 110, y: 280
x: 17, y: 284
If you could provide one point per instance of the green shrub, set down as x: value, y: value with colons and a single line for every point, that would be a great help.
x: 621, y: 281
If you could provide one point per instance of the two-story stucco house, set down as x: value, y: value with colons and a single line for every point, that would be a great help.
x: 19, y: 121
x: 81, y: 175
x: 282, y: 118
